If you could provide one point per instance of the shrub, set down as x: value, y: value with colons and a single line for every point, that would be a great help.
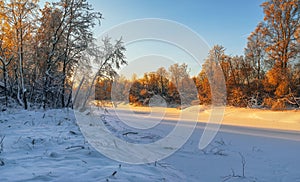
x: 268, y: 102
x: 279, y: 105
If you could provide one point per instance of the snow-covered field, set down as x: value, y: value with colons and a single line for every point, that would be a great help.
x: 49, y: 146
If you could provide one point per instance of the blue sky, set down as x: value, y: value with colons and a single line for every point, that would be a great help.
x: 225, y: 22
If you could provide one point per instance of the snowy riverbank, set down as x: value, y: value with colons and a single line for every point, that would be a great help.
x: 49, y: 146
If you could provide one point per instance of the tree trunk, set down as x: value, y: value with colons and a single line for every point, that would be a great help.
x: 5, y: 84
x: 88, y: 93
x: 21, y: 56
x: 69, y: 99
x: 63, y: 86
x: 77, y: 92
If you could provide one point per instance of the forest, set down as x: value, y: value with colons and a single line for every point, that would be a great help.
x: 43, y: 50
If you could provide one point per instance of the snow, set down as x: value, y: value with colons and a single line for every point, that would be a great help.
x: 49, y: 146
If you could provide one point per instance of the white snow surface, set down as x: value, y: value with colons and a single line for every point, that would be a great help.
x: 49, y: 146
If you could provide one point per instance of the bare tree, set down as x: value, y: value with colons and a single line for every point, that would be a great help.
x: 20, y: 15
x: 65, y: 38
x: 255, y: 51
x: 281, y: 23
x: 163, y: 81
x: 106, y: 59
x: 5, y: 62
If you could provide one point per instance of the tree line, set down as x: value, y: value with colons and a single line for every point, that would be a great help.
x: 46, y: 51
x: 174, y: 85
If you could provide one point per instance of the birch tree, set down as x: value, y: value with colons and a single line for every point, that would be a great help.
x: 21, y: 16
x: 5, y: 62
x: 68, y: 31
x: 106, y: 58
